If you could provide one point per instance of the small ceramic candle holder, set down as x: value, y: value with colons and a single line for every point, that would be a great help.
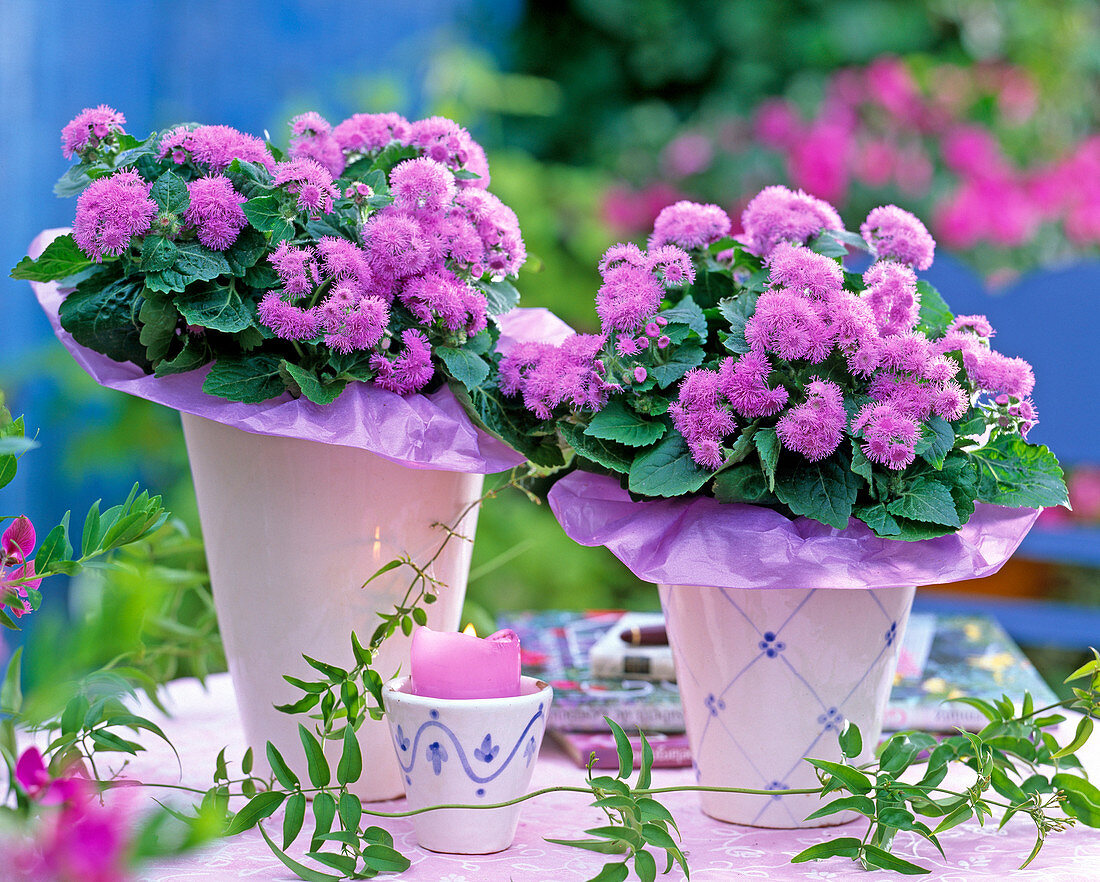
x: 469, y: 751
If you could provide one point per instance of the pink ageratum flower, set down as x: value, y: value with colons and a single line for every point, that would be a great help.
x: 213, y: 147
x: 352, y: 323
x: 627, y: 298
x: 672, y: 265
x: 422, y: 183
x: 689, y: 225
x: 288, y: 321
x: 999, y: 374
x: 215, y: 211
x: 973, y: 324
x: 297, y: 267
x: 410, y: 371
x: 396, y: 245
x: 503, y: 250
x: 799, y: 269
x: 788, y: 324
x: 623, y: 252
x: 89, y: 128
x: 447, y: 142
x: 777, y: 214
x: 311, y: 181
x: 892, y: 295
x: 896, y: 234
x: 910, y: 352
x: 441, y: 294
x: 342, y: 259
x: 816, y: 427
x: 312, y: 138
x: 744, y: 382
x: 548, y: 375
x: 889, y: 435
x: 110, y: 212
x: 367, y: 132
x: 700, y: 416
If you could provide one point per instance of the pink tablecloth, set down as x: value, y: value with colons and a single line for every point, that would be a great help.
x: 205, y: 721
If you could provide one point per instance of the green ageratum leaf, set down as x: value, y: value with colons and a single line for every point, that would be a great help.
x: 158, y: 327
x: 72, y: 183
x: 391, y: 155
x: 881, y: 522
x: 169, y: 191
x: 61, y: 258
x: 618, y: 423
x: 768, y: 447
x: 711, y: 288
x: 737, y: 310
x: 195, y: 354
x: 743, y: 483
x: 605, y: 453
x: 100, y: 315
x: 824, y: 491
x: 248, y: 178
x: 827, y: 244
x: 243, y: 254
x: 215, y: 306
x: 687, y: 312
x: 667, y: 469
x: 915, y: 531
x: 265, y: 214
x: 926, y: 499
x: 683, y: 360
x: 158, y: 254
x: 935, y: 317
x: 199, y: 264
x: 251, y: 379
x: 499, y: 296
x: 937, y: 439
x: 508, y: 420
x: 1017, y: 474
x: 861, y: 465
x: 469, y: 369
x: 311, y: 385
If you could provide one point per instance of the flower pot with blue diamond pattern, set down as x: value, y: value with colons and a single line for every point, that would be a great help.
x: 768, y: 677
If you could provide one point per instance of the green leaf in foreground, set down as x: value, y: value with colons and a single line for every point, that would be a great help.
x: 252, y: 379
x: 1017, y: 474
x: 61, y: 258
x: 466, y: 367
x: 824, y: 491
x: 618, y: 423
x: 667, y: 469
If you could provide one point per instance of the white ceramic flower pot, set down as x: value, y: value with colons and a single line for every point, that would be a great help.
x: 467, y: 751
x: 292, y: 530
x: 768, y: 676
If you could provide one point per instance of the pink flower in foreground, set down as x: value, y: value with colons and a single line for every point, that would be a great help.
x: 89, y: 128
x: 312, y: 138
x: 297, y: 267
x: 16, y: 546
x: 410, y: 371
x: 353, y: 323
x: 396, y: 245
x: 777, y: 214
x: 504, y: 251
x: 700, y: 416
x: 343, y: 259
x: 788, y: 324
x: 797, y: 268
x: 816, y: 427
x: 890, y: 435
x: 548, y: 375
x: 367, y: 132
x: 422, y: 183
x: 744, y: 382
x: 672, y: 265
x: 311, y: 181
x: 627, y: 298
x: 288, y: 321
x: 110, y: 212
x: 447, y: 142
x: 689, y: 225
x: 214, y: 147
x: 623, y: 252
x: 215, y: 211
x: 894, y: 233
x: 443, y: 295
x: 891, y: 293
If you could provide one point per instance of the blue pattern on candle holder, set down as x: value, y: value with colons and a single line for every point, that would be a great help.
x: 437, y: 754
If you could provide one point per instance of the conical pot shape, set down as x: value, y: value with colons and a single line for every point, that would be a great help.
x: 768, y: 677
x: 292, y: 530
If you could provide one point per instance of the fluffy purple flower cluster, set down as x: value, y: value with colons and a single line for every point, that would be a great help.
x: 312, y: 138
x: 213, y: 148
x: 548, y: 375
x: 634, y: 283
x: 110, y: 212
x: 689, y: 225
x: 215, y: 211
x: 777, y: 214
x: 893, y: 233
x: 90, y: 128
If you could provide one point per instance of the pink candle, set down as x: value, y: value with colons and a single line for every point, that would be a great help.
x: 444, y: 664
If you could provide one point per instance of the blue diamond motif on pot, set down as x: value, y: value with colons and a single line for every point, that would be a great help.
x: 714, y: 704
x: 892, y: 634
x: 771, y: 644
x: 832, y: 720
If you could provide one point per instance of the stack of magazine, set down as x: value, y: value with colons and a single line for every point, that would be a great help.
x: 596, y: 670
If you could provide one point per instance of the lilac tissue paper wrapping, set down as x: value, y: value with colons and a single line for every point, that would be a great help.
x: 418, y: 431
x: 699, y: 541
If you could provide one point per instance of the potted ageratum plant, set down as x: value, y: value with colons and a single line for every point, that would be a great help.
x: 786, y: 447
x: 304, y: 313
